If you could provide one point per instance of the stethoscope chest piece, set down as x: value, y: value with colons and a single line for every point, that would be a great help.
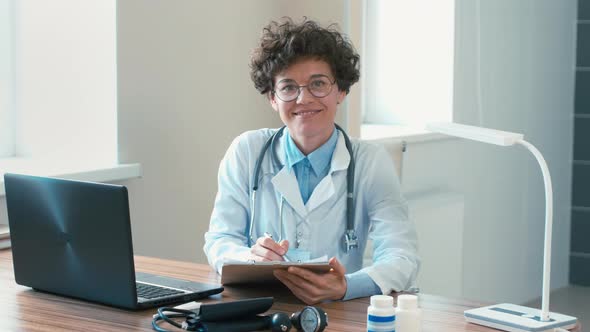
x: 350, y: 240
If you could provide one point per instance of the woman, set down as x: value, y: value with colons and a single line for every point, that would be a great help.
x: 300, y: 210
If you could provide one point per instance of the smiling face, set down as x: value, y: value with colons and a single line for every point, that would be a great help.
x: 310, y: 119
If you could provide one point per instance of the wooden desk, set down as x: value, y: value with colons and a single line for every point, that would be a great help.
x: 23, y: 309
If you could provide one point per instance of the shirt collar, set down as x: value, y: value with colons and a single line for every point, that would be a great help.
x: 292, y: 153
x: 319, y: 159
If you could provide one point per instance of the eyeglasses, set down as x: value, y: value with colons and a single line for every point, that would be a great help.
x: 319, y: 86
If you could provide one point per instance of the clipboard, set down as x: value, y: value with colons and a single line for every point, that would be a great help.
x: 260, y: 272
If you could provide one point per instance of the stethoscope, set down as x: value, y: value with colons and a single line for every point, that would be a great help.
x: 350, y: 240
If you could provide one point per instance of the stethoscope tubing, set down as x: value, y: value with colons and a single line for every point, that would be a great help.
x: 350, y: 232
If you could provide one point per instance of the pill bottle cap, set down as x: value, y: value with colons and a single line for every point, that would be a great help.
x: 382, y: 301
x: 407, y: 302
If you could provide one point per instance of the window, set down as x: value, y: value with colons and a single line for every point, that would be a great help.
x: 61, y: 105
x: 407, y: 65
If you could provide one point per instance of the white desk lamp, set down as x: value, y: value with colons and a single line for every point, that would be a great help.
x: 505, y: 316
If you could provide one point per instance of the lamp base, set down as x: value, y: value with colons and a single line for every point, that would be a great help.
x: 516, y: 318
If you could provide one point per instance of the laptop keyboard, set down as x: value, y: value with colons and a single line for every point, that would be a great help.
x: 148, y: 291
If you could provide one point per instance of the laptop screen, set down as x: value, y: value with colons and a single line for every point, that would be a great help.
x: 72, y: 238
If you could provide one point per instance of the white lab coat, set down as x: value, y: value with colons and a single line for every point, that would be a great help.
x: 380, y: 211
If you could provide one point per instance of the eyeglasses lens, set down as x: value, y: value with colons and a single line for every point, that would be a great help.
x: 319, y: 87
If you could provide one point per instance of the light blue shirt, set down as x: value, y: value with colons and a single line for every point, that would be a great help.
x: 380, y: 212
x: 310, y: 170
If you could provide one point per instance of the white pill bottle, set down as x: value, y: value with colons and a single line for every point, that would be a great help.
x: 407, y: 313
x: 381, y: 314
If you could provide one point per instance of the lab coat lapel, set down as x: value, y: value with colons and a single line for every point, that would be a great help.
x: 326, y: 188
x: 286, y: 184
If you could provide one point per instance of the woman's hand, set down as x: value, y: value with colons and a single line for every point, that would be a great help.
x: 266, y: 249
x: 311, y: 287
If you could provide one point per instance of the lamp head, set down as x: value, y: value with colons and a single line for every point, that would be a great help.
x: 486, y: 135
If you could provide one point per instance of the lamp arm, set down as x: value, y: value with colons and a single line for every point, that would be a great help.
x: 548, y: 227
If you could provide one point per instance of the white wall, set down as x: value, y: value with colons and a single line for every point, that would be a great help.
x: 176, y: 62
x: 184, y: 94
x: 527, y: 77
x: 66, y: 81
x: 6, y: 77
x: 50, y: 40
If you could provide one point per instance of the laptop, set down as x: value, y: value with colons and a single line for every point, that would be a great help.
x: 73, y: 238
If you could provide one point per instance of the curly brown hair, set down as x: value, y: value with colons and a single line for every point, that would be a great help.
x: 284, y: 43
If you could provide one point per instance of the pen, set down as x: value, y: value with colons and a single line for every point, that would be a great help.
x: 268, y: 235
